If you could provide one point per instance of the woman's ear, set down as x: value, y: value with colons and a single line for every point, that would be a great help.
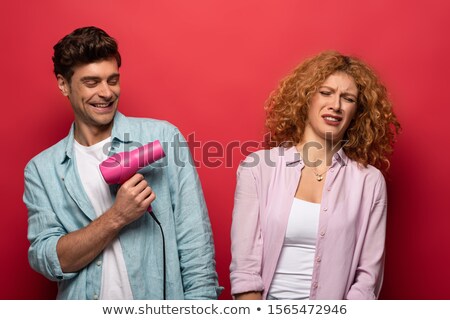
x: 63, y: 85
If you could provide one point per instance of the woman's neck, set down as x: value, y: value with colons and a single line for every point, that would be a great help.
x: 317, y: 154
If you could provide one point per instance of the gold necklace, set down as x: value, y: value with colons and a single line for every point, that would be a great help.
x: 319, y: 176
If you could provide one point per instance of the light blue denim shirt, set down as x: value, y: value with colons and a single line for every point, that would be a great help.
x: 57, y: 204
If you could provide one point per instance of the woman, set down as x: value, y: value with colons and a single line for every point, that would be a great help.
x: 310, y: 214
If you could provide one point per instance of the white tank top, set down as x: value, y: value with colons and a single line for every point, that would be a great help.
x: 115, y: 283
x: 292, y: 279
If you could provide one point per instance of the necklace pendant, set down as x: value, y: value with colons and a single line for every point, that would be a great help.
x: 319, y: 177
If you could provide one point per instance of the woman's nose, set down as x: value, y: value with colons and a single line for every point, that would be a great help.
x: 335, y: 105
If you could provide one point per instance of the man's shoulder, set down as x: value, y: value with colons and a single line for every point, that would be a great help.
x: 50, y: 155
x: 142, y: 125
x: 150, y: 121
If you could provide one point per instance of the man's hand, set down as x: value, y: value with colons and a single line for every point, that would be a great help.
x: 78, y: 248
x: 132, y: 200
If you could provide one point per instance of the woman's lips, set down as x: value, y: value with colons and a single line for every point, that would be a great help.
x: 332, y: 120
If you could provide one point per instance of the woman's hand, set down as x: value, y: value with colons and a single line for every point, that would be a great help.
x: 254, y: 295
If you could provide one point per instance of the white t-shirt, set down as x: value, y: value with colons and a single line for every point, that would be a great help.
x: 115, y: 282
x: 292, y: 278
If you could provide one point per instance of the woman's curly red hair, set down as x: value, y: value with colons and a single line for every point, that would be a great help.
x: 371, y: 134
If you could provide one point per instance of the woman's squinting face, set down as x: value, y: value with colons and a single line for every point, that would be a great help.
x: 332, y: 108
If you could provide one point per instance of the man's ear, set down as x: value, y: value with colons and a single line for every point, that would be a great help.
x: 63, y: 85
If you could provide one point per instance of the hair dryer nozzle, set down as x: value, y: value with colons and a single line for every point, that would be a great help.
x: 122, y: 166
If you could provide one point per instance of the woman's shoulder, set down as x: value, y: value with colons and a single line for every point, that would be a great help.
x: 270, y: 158
x: 367, y: 173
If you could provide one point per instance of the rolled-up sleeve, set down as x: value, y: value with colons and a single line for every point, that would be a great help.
x: 44, y: 229
x: 246, y: 236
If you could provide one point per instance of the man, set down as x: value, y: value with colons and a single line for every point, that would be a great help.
x: 97, y: 241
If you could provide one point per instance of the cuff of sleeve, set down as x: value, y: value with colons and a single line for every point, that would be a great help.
x: 54, y: 265
x: 357, y: 293
x: 245, y: 282
x: 212, y: 294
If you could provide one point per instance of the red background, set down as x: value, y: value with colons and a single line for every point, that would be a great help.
x: 207, y: 67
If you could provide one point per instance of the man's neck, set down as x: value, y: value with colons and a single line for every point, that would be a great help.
x: 88, y: 136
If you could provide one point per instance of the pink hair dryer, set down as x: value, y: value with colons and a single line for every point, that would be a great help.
x: 123, y: 165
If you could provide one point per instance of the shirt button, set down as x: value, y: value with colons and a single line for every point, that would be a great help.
x: 99, y: 263
x: 315, y: 285
x: 331, y: 170
x: 322, y: 234
x: 319, y: 259
x: 325, y: 209
x: 329, y: 189
x: 95, y: 297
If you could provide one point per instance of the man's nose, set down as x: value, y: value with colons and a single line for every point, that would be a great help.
x: 105, y: 90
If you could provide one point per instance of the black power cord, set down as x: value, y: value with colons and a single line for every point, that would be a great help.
x: 164, y: 251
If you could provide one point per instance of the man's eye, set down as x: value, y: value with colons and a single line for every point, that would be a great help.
x: 90, y: 83
x: 113, y: 82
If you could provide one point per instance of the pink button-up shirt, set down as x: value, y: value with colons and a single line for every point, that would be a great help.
x: 349, y: 258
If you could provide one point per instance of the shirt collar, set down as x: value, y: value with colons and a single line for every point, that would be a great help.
x: 293, y: 157
x: 121, y: 133
x: 122, y: 130
x: 68, y: 151
x: 341, y: 157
